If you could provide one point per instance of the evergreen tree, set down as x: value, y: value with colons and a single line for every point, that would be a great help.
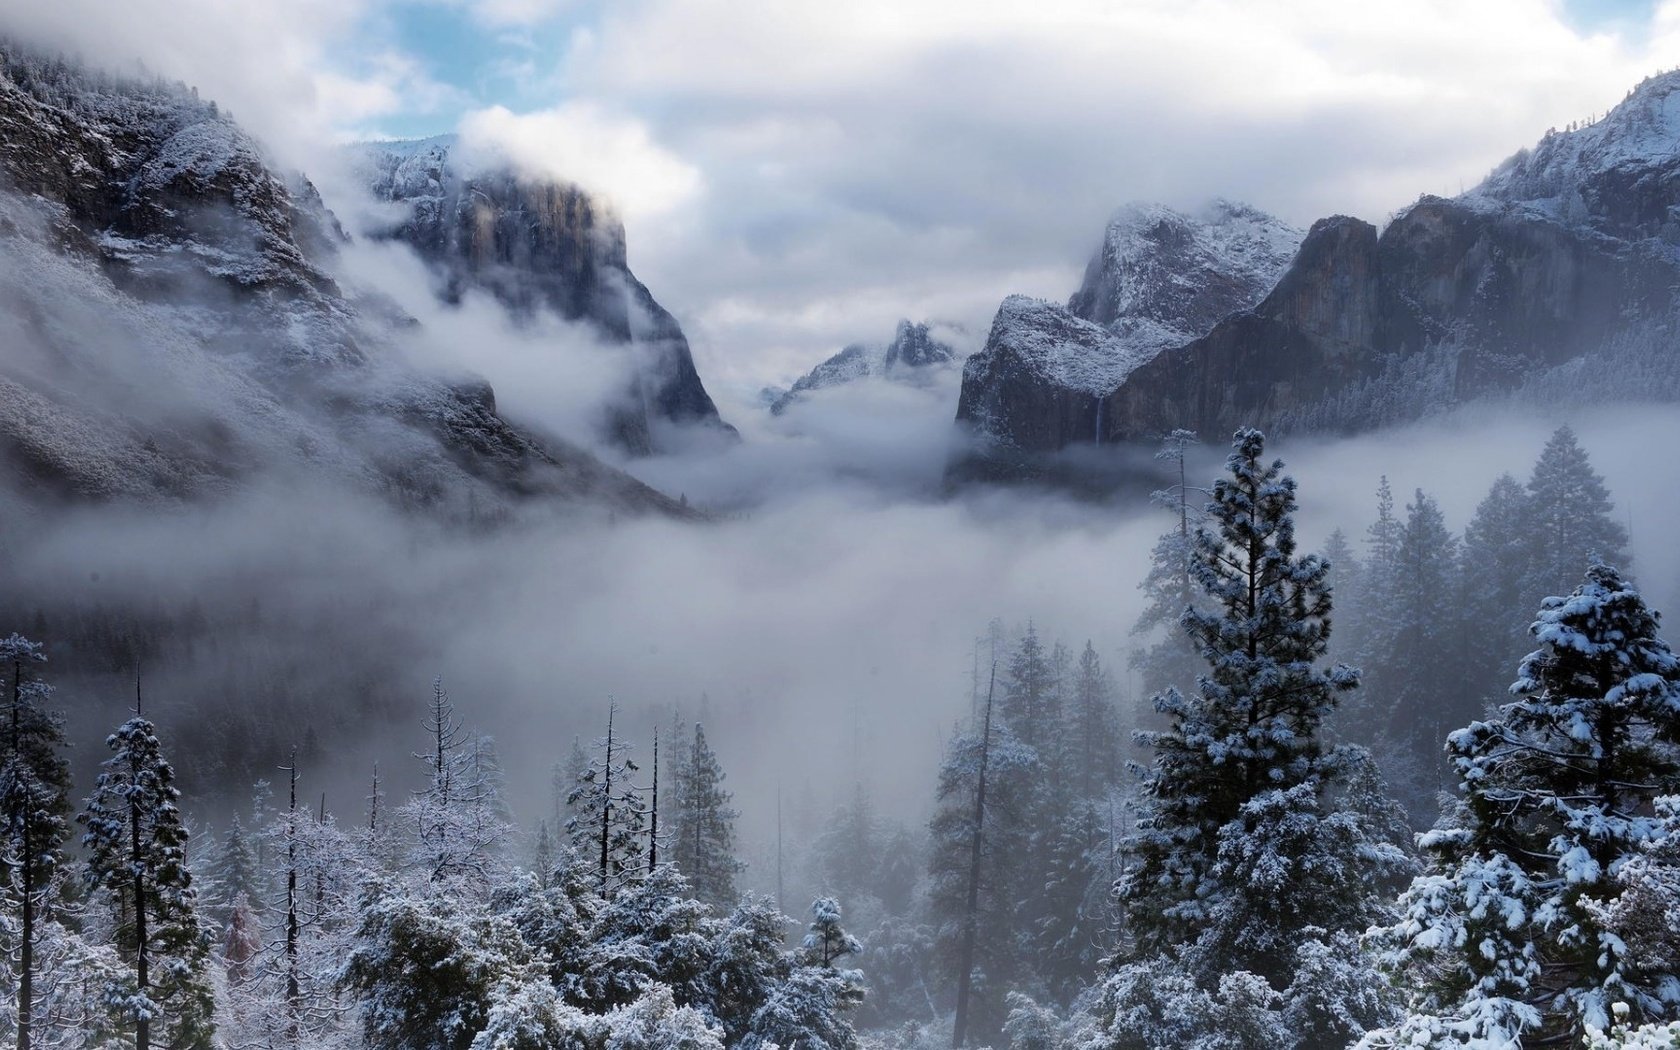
x: 442, y: 759
x: 845, y: 855
x: 543, y: 856
x: 230, y: 875
x: 826, y: 940
x: 1419, y: 676
x: 1170, y: 585
x: 34, y: 804
x: 563, y: 777
x: 1494, y: 588
x: 703, y: 826
x: 137, y: 850
x: 1071, y: 913
x: 1346, y: 579
x: 1569, y: 520
x: 979, y: 868
x: 1093, y: 728
x: 608, y: 825
x: 1029, y: 696
x: 459, y: 818
x: 1245, y: 748
x: 1375, y: 629
x: 1343, y: 576
x: 1509, y: 932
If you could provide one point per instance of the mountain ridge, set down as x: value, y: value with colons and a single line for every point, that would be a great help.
x: 544, y: 244
x: 1566, y: 253
x: 911, y: 356
x: 175, y: 328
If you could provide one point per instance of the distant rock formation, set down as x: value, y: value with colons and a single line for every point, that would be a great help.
x: 537, y: 244
x: 172, y: 328
x: 912, y: 357
x: 1160, y: 279
x: 1556, y: 278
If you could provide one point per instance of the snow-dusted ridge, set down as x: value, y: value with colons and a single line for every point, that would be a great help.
x: 1639, y: 137
x: 1163, y: 277
x: 1067, y: 351
x: 174, y: 329
x: 540, y: 244
x: 1160, y: 279
x: 916, y: 352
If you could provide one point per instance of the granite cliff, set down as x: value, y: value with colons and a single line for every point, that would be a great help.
x: 174, y: 330
x: 538, y: 244
x: 914, y: 356
x: 1558, y: 276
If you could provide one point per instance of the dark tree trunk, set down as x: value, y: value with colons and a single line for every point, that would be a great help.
x: 971, y: 910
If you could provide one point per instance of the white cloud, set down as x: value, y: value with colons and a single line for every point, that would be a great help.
x: 286, y: 71
x: 874, y: 155
x: 518, y: 13
x: 609, y: 154
x: 805, y: 174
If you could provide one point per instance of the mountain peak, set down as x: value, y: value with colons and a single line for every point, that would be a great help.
x: 1163, y: 277
x: 913, y: 354
x: 543, y: 244
x: 1616, y: 173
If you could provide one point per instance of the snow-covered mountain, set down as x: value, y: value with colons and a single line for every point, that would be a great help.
x: 914, y: 355
x: 1163, y: 277
x: 1160, y: 279
x: 1619, y: 175
x: 538, y: 244
x: 173, y: 329
x: 1556, y: 278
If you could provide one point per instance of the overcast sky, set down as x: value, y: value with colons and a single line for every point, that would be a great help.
x: 799, y: 175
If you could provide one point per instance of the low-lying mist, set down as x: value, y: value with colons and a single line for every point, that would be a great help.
x: 825, y: 631
x: 824, y: 622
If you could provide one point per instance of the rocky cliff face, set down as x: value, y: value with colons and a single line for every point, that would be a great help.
x: 172, y: 329
x: 1160, y: 279
x: 914, y: 356
x: 1558, y: 275
x: 538, y: 245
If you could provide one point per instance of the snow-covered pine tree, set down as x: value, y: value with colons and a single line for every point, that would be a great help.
x: 442, y: 758
x: 608, y: 822
x: 563, y: 777
x: 1646, y: 915
x: 845, y: 856
x: 1170, y: 586
x: 1569, y: 520
x: 230, y: 874
x: 702, y: 825
x: 811, y: 1005
x: 1071, y: 912
x: 34, y: 805
x: 543, y: 856
x: 288, y: 992
x: 137, y: 850
x: 1506, y: 936
x: 1253, y: 727
x: 979, y: 865
x: 1346, y: 581
x: 825, y: 939
x: 32, y: 733
x: 459, y: 820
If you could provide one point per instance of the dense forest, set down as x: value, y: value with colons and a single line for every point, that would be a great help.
x: 1455, y: 822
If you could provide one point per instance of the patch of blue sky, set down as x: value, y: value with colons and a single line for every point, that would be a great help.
x: 481, y: 64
